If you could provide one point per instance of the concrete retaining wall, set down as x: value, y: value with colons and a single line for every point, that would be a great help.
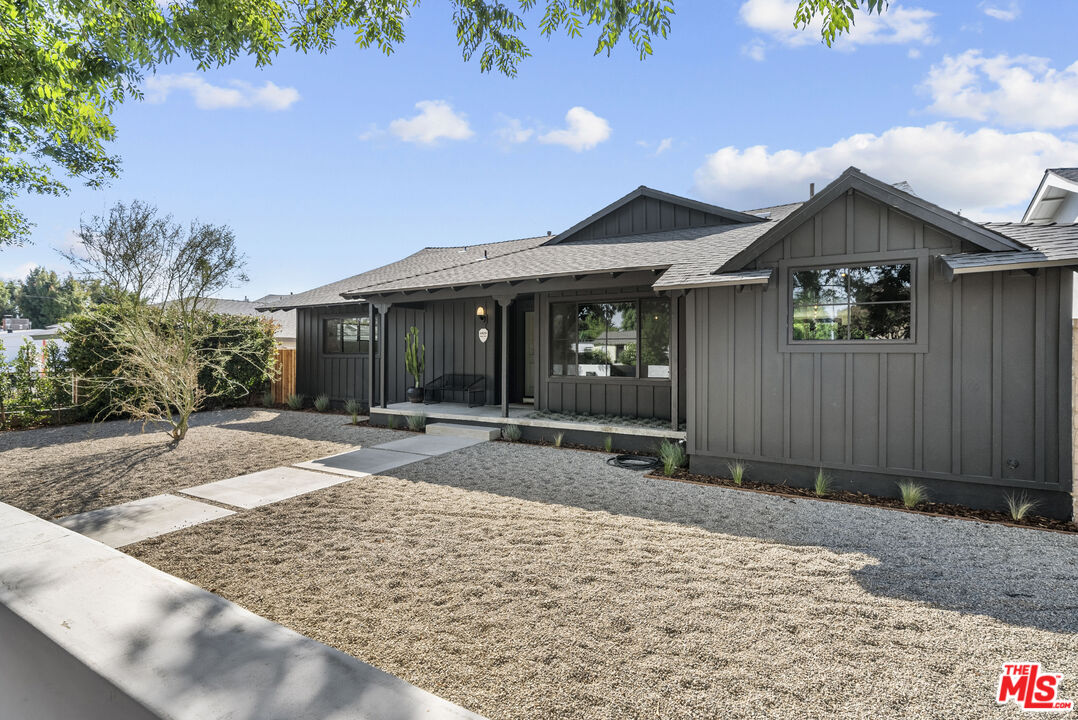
x: 89, y: 632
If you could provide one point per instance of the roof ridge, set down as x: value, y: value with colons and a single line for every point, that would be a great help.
x: 495, y: 242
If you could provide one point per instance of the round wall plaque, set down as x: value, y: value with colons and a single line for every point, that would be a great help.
x: 483, y: 335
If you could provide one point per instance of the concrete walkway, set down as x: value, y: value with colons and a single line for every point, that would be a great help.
x: 142, y: 519
x: 137, y: 520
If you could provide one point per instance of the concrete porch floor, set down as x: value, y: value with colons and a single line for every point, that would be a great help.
x: 518, y: 415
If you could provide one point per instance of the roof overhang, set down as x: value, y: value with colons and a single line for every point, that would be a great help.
x: 971, y: 263
x: 342, y: 301
x: 732, y: 279
x: 375, y: 291
x: 855, y: 180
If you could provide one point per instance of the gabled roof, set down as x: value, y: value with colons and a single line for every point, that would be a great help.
x: 646, y: 192
x: 1051, y: 245
x: 1057, y: 184
x: 912, y: 205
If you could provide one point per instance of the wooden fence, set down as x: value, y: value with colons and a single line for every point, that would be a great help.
x: 285, y: 382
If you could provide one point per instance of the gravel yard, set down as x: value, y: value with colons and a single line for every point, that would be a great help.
x: 54, y: 472
x: 528, y: 582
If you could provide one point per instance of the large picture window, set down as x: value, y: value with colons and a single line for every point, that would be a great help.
x: 345, y: 335
x: 869, y: 302
x: 626, y: 339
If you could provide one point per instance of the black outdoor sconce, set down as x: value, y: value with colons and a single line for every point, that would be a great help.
x: 481, y: 313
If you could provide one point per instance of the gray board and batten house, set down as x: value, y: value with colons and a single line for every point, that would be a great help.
x: 865, y: 331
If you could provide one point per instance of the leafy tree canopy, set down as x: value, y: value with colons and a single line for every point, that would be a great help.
x: 66, y: 64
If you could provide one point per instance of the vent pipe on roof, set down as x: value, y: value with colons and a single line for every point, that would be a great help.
x: 548, y: 233
x: 812, y: 190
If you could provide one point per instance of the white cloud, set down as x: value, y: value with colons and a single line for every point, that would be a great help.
x: 1020, y: 91
x: 754, y: 50
x: 664, y: 145
x: 988, y: 174
x: 19, y: 272
x: 913, y: 53
x: 584, y: 130
x: 436, y: 121
x: 898, y: 25
x: 1006, y: 13
x: 207, y: 96
x: 513, y: 132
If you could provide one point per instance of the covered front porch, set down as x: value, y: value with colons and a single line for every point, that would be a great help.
x: 605, y: 346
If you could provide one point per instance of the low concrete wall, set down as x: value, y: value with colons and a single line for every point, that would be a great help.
x: 88, y: 632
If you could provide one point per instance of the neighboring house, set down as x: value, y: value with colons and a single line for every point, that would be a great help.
x: 1056, y: 201
x: 12, y: 324
x: 12, y: 340
x: 865, y: 331
x: 286, y: 320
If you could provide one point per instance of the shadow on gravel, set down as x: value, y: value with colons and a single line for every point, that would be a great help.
x: 1021, y: 577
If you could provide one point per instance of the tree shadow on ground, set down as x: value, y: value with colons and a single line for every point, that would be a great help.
x: 1022, y: 577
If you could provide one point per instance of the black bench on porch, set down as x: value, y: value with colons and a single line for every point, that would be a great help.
x: 471, y: 385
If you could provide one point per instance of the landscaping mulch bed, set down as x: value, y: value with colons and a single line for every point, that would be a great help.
x: 848, y: 496
x: 528, y: 584
x: 57, y: 471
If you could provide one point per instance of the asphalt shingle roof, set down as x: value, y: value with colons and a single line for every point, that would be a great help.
x: 285, y: 320
x: 1066, y: 173
x: 688, y: 255
x: 1050, y: 244
x: 427, y: 260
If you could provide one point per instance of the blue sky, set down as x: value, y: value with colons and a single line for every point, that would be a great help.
x: 327, y: 165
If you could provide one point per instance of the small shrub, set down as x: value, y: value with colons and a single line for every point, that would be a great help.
x: 912, y: 493
x: 821, y: 485
x: 672, y: 455
x: 1019, y: 505
x: 608, y: 443
x: 737, y: 471
x: 268, y: 399
x: 295, y: 401
x: 512, y: 433
x: 393, y: 421
x: 417, y: 422
x: 559, y: 438
x: 321, y: 403
x: 354, y: 408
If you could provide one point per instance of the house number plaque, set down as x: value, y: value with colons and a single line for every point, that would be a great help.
x: 483, y: 335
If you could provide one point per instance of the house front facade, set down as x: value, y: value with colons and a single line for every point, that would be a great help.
x: 865, y: 331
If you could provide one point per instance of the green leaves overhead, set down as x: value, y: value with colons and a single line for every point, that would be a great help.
x: 66, y: 64
x: 837, y: 16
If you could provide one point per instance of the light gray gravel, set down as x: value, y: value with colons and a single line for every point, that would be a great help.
x: 528, y: 582
x: 58, y: 471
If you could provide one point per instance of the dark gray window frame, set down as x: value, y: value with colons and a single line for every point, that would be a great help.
x: 919, y: 261
x: 548, y: 330
x: 362, y: 319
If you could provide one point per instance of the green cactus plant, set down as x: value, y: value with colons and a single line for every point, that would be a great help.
x: 414, y: 355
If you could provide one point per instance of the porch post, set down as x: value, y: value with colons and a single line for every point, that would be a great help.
x: 370, y: 355
x: 675, y: 381
x: 383, y: 310
x: 504, y: 302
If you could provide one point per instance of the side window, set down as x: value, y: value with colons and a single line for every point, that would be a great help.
x: 345, y: 335
x: 852, y: 304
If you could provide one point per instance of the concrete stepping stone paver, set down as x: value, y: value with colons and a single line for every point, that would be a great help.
x: 430, y: 445
x: 264, y: 487
x: 362, y: 462
x: 137, y: 520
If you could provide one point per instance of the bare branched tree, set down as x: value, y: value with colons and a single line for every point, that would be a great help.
x: 161, y: 347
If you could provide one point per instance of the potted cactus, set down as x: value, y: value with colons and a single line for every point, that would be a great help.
x: 414, y: 362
